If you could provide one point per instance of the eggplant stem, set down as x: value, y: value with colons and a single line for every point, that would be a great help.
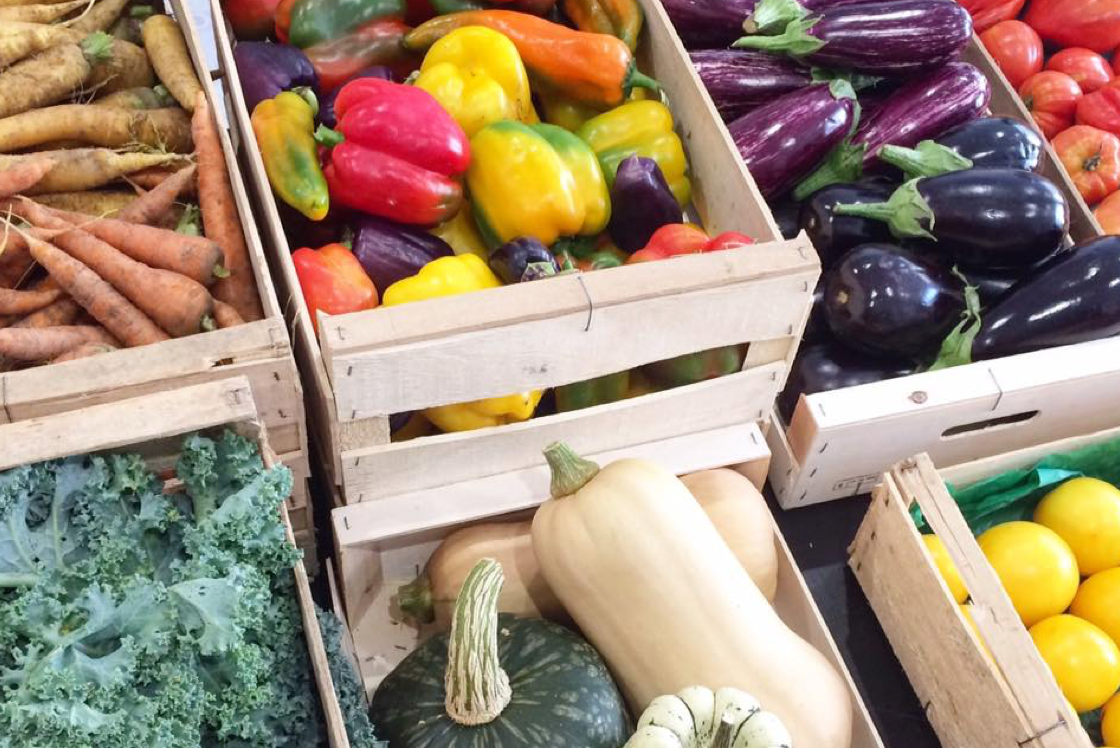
x: 795, y: 40
x: 956, y: 349
x: 844, y: 164
x: 771, y: 16
x: 928, y: 159
x: 904, y: 213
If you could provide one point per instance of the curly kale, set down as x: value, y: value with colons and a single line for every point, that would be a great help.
x: 351, y: 695
x: 132, y: 619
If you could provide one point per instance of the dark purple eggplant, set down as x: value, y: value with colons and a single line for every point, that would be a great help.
x: 390, y: 251
x: 326, y: 106
x: 987, y: 143
x: 641, y: 203
x: 816, y: 328
x: 834, y: 235
x: 787, y: 214
x: 921, y: 109
x: 739, y: 80
x: 992, y: 285
x: 988, y: 218
x: 885, y: 300
x: 266, y: 69
x: 522, y: 259
x: 1073, y: 298
x: 894, y: 37
x: 830, y: 366
x: 786, y: 139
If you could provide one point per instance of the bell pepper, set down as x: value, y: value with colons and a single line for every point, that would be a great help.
x: 640, y: 128
x: 332, y: 281
x: 641, y: 203
x: 696, y: 367
x: 535, y: 180
x: 677, y: 239
x: 250, y: 19
x: 602, y: 254
x: 523, y: 259
x: 375, y: 43
x: 593, y: 68
x: 609, y: 388
x: 461, y: 234
x: 311, y: 22
x: 477, y: 75
x: 399, y: 153
x: 564, y: 112
x: 284, y: 127
x: 620, y: 18
x: 326, y: 104
x: 448, y: 276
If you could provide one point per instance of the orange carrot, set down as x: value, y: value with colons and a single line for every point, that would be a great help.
x: 226, y: 316
x: 152, y: 207
x: 219, y: 215
x: 62, y: 312
x: 150, y: 179
x: 25, y: 302
x: 85, y: 350
x: 24, y: 344
x: 24, y: 175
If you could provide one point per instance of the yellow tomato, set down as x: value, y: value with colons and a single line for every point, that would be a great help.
x: 1098, y: 602
x: 1036, y: 567
x: 1110, y: 721
x: 946, y: 567
x: 1084, y: 661
x: 1086, y: 513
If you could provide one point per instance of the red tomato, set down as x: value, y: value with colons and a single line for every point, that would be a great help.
x: 728, y: 240
x: 987, y: 13
x: 1052, y: 100
x: 1090, y: 70
x: 1108, y: 214
x: 1016, y: 48
x: 1077, y: 23
x: 1101, y: 110
x: 1092, y: 158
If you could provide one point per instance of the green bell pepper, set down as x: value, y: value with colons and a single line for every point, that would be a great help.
x: 609, y: 388
x: 696, y: 367
x: 316, y: 21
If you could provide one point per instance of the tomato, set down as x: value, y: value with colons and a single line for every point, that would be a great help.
x: 987, y: 13
x: 1016, y: 48
x: 1052, y: 100
x: 1084, y: 661
x: 1108, y: 216
x: 1090, y: 70
x: 1101, y: 110
x: 1092, y: 158
x: 1077, y: 23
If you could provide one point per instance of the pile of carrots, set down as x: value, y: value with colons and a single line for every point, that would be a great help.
x: 104, y: 130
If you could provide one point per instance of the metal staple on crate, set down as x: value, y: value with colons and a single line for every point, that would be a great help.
x: 590, y: 303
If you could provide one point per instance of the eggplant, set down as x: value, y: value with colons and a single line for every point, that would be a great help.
x: 985, y: 218
x: 893, y: 37
x: 267, y: 69
x: 717, y: 23
x: 390, y: 251
x: 641, y: 203
x: 816, y: 328
x: 739, y: 80
x: 787, y: 214
x: 987, y: 143
x: 523, y: 259
x: 834, y: 235
x: 918, y: 110
x: 786, y: 139
x: 326, y: 106
x: 824, y: 367
x: 885, y: 300
x: 1073, y: 298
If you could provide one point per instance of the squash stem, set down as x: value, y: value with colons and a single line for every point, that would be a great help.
x: 477, y: 688
x: 570, y: 472
x: 722, y: 738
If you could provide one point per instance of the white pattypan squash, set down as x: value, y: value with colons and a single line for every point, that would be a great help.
x: 698, y: 718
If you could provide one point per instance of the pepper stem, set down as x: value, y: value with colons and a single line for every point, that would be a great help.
x: 570, y: 472
x: 637, y: 79
x: 927, y: 159
x: 327, y: 137
x: 415, y: 600
x: 844, y: 164
x: 795, y: 40
x: 771, y: 16
x: 477, y: 688
x: 722, y: 738
x: 904, y: 213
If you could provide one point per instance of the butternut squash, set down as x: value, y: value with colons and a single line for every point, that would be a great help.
x: 649, y: 581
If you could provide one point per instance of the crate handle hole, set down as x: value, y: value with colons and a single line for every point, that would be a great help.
x: 990, y: 424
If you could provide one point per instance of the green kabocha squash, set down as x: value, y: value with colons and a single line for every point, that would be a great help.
x: 499, y: 682
x: 698, y: 718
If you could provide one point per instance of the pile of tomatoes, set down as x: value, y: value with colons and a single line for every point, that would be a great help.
x: 1074, y: 93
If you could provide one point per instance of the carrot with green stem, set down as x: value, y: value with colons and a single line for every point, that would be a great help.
x: 163, y: 39
x: 28, y: 344
x: 24, y: 175
x: 152, y: 206
x: 166, y: 129
x: 21, y: 40
x: 220, y: 219
x: 128, y: 67
x: 51, y: 76
x: 41, y: 13
x: 83, y: 169
x: 26, y: 302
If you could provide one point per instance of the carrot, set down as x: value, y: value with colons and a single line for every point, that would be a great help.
x: 24, y: 175
x: 150, y: 179
x: 101, y: 16
x: 194, y: 257
x: 20, y: 40
x: 127, y: 67
x: 219, y: 216
x: 50, y: 76
x: 87, y: 168
x: 226, y: 316
x: 152, y: 206
x: 163, y: 39
x: 94, y: 203
x: 26, y: 344
x: 136, y: 97
x: 85, y: 350
x: 63, y: 312
x: 167, y: 129
x: 25, y: 302
x: 178, y: 304
x: 40, y: 13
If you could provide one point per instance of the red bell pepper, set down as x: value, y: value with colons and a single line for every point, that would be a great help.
x: 333, y: 281
x: 400, y: 153
x: 250, y: 19
x: 1077, y: 23
x: 683, y: 239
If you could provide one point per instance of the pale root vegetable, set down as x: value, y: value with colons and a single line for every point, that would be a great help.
x: 40, y: 12
x: 50, y: 76
x: 648, y: 579
x: 13, y: 3
x: 43, y: 344
x: 166, y: 129
x: 106, y: 203
x: 63, y: 312
x: 226, y: 316
x: 29, y: 39
x: 126, y: 68
x: 26, y: 302
x: 85, y: 350
x: 101, y: 16
x: 219, y: 215
x: 89, y: 168
x: 24, y: 175
x: 152, y: 207
x: 138, y: 97
x: 163, y: 39
x: 741, y: 516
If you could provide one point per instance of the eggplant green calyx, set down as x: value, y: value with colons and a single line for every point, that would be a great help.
x: 927, y: 159
x: 844, y: 164
x: 795, y: 40
x: 956, y: 349
x: 904, y: 213
x: 771, y: 16
x: 858, y: 80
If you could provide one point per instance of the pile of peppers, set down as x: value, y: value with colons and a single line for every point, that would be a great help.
x: 441, y: 147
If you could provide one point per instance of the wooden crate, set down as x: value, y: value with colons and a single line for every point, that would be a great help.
x: 552, y: 332
x: 837, y: 443
x: 383, y: 544
x: 154, y: 425
x: 1004, y: 699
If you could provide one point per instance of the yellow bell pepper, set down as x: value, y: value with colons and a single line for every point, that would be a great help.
x: 448, y: 276
x: 460, y: 233
x: 642, y: 128
x: 476, y: 74
x: 566, y: 113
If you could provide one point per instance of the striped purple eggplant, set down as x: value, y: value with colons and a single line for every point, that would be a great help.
x: 739, y: 80
x: 919, y: 110
x: 717, y: 23
x: 895, y: 37
x: 786, y: 139
x: 772, y: 16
